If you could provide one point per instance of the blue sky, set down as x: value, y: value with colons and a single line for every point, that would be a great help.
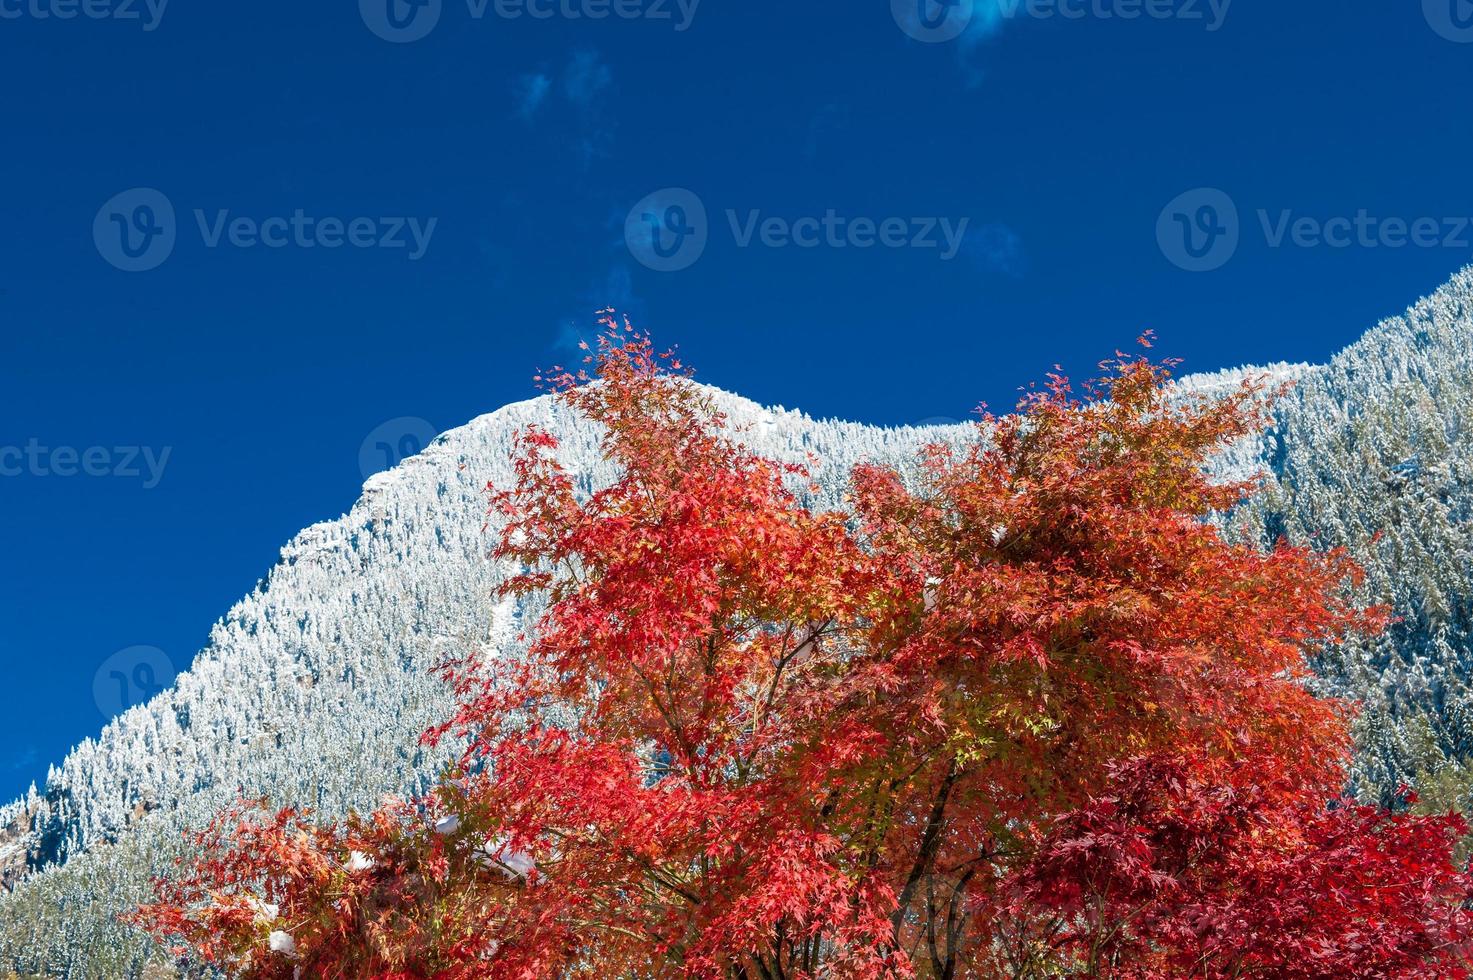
x: 241, y: 241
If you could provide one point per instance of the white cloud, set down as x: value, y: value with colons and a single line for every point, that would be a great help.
x: 585, y: 78
x: 531, y: 91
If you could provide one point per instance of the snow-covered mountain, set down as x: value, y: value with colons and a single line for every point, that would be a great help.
x: 313, y: 689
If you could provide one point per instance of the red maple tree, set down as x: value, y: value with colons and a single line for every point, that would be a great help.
x: 1021, y: 713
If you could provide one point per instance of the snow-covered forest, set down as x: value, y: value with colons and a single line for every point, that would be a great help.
x: 314, y: 688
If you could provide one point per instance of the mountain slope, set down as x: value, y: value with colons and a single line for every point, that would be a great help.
x: 314, y: 688
x: 1374, y: 453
